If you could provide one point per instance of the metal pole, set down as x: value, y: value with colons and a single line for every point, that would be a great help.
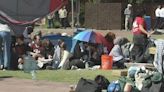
x: 78, y: 12
x: 72, y: 3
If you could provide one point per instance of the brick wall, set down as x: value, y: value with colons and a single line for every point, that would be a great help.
x: 103, y: 15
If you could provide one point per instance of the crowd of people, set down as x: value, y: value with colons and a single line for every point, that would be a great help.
x: 51, y: 56
x: 57, y: 56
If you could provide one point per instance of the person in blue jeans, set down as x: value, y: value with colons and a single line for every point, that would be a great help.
x: 5, y: 36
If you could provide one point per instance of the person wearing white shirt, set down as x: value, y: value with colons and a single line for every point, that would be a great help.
x: 162, y: 18
x: 63, y: 16
x: 157, y: 17
x: 6, y: 37
x: 117, y: 54
x: 128, y: 17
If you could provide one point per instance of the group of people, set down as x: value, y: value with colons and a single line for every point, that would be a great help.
x: 62, y: 18
x: 159, y: 14
x: 85, y: 54
x: 54, y: 56
x: 129, y: 17
x: 44, y: 53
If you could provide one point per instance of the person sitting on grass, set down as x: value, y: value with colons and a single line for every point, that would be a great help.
x: 117, y: 54
x: 40, y: 60
x: 110, y: 36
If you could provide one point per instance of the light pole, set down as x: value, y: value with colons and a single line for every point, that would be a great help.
x: 72, y: 5
x: 78, y: 12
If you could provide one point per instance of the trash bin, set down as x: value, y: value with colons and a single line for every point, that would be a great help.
x: 148, y: 22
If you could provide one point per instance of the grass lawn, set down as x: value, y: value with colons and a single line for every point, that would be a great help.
x: 66, y: 76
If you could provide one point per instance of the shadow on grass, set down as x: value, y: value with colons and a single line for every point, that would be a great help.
x: 5, y: 77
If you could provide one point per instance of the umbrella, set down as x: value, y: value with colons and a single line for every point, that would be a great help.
x: 91, y: 37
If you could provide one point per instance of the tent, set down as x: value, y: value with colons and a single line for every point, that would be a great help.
x: 20, y: 13
x: 54, y: 39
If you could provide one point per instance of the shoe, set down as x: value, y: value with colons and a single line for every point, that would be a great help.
x: 3, y: 69
x: 74, y: 67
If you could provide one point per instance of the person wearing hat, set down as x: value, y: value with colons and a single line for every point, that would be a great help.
x: 128, y: 17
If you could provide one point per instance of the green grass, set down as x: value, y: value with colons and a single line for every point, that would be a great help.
x: 66, y: 76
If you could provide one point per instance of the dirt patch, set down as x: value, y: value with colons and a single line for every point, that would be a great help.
x: 25, y: 85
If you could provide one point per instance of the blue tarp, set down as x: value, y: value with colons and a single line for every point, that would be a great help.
x: 54, y: 38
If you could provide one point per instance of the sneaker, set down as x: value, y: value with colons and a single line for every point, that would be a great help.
x: 74, y: 67
x: 3, y: 69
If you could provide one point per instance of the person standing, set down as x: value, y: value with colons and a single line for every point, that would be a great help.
x: 63, y: 16
x: 157, y: 17
x: 162, y: 17
x: 50, y: 18
x: 140, y: 36
x: 128, y: 17
x: 27, y: 34
x: 6, y: 37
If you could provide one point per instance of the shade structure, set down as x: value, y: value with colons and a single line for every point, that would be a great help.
x: 91, y: 37
x: 17, y: 13
x: 54, y: 39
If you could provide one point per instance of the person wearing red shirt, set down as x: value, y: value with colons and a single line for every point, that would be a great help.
x: 140, y: 36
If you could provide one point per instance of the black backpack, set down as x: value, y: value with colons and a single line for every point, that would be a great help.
x: 102, y: 82
x: 87, y: 85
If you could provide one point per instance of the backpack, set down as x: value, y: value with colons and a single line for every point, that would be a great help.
x: 123, y: 80
x: 87, y: 85
x: 114, y: 87
x: 153, y: 83
x: 102, y: 82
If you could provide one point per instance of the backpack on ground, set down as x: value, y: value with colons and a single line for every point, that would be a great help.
x: 102, y: 82
x: 153, y: 83
x: 87, y: 85
x: 123, y: 80
x: 114, y: 87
